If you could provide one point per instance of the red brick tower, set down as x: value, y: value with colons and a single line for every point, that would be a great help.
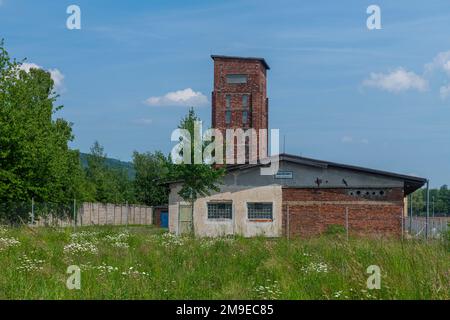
x: 239, y: 99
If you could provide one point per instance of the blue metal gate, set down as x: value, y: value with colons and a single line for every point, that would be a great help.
x: 164, y: 215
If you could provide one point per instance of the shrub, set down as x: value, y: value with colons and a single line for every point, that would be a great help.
x: 335, y: 229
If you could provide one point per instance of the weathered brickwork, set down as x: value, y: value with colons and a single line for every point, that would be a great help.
x: 255, y: 89
x: 375, y: 209
x: 309, y: 212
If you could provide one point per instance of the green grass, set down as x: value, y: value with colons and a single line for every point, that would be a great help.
x: 166, y: 267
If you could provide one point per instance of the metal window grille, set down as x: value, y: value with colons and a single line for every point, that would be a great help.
x: 260, y: 210
x: 219, y: 211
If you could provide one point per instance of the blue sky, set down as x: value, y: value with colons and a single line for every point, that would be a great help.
x: 338, y: 91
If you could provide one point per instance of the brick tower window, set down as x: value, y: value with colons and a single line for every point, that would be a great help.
x: 228, y: 109
x: 236, y: 78
x: 245, y: 109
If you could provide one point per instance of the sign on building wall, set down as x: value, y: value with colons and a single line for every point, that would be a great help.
x: 284, y: 175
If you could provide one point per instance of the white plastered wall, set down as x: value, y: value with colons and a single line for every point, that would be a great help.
x: 240, y: 224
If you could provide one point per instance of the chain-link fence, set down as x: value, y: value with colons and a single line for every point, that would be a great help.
x: 421, y: 227
x: 15, y: 213
x: 74, y: 214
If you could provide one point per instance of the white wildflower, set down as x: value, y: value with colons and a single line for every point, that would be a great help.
x: 171, y: 240
x: 317, y: 267
x: 119, y: 241
x: 80, y: 248
x: 132, y: 272
x: 29, y: 265
x: 6, y: 243
x: 84, y: 236
x: 269, y: 291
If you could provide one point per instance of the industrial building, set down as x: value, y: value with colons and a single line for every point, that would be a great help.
x: 306, y: 197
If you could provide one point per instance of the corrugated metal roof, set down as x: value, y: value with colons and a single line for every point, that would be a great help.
x: 411, y: 183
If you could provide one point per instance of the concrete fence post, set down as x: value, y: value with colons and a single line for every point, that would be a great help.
x: 151, y: 215
x: 81, y: 214
x: 410, y: 213
x: 127, y: 212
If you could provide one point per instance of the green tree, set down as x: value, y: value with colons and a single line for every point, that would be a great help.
x: 124, y: 186
x: 443, y: 200
x: 35, y: 160
x: 99, y: 176
x: 152, y: 170
x: 418, y: 202
x: 198, y: 180
x: 110, y: 185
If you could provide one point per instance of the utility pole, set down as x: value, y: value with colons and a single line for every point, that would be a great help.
x: 411, y: 213
x: 428, y: 209
x: 433, y: 207
x: 32, y: 211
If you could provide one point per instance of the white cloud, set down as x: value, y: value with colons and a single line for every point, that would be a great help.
x: 185, y: 98
x: 143, y: 121
x: 56, y: 75
x: 58, y: 78
x: 347, y: 139
x: 397, y: 81
x: 445, y: 92
x: 440, y: 62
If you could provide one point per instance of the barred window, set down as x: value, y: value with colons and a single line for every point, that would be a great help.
x: 219, y: 210
x: 260, y: 210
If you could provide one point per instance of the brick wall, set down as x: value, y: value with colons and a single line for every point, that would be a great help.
x: 309, y: 212
x: 255, y: 88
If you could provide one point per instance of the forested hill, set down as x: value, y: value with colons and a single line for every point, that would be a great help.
x: 112, y: 163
